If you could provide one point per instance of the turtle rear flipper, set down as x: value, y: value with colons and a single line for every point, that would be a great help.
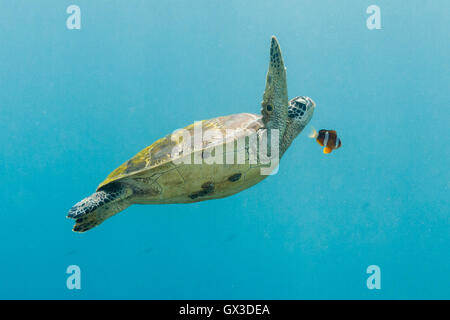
x: 93, y: 210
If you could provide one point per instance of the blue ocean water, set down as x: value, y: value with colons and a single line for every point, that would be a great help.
x: 75, y: 104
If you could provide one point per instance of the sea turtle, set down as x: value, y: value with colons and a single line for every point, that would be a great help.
x: 162, y: 174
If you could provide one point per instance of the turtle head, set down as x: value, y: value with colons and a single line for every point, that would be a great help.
x: 300, y: 111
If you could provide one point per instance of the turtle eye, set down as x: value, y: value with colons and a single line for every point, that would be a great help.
x: 269, y: 108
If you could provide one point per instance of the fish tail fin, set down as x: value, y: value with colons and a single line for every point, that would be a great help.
x: 313, y: 134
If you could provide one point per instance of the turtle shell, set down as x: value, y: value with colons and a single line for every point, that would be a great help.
x: 159, y: 154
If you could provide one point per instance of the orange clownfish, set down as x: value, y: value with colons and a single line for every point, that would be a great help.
x: 327, y: 139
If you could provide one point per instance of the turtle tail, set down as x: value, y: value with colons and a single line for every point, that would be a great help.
x: 93, y: 210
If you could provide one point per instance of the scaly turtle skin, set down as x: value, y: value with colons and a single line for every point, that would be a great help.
x: 158, y: 175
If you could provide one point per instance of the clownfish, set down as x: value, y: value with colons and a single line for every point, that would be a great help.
x: 327, y: 139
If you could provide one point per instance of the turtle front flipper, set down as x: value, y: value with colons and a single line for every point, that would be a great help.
x: 275, y: 100
x: 106, y: 202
